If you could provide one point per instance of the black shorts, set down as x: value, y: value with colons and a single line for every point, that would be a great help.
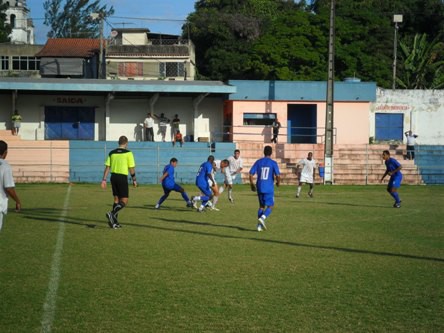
x: 120, y: 185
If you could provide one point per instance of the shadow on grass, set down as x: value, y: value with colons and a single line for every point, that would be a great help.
x: 57, y: 219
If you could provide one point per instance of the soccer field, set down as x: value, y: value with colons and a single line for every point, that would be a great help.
x: 343, y: 261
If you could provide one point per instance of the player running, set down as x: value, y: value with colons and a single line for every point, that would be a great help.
x: 307, y: 175
x: 267, y: 171
x: 393, y: 169
x: 204, y: 175
x: 169, y: 184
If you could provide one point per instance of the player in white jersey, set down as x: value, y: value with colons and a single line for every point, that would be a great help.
x: 235, y: 168
x: 307, y: 174
x: 218, y: 166
x: 7, y: 185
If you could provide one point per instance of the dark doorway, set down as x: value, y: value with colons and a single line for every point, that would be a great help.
x: 69, y: 123
x: 302, y: 122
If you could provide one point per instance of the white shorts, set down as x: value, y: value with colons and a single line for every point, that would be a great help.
x: 306, y: 179
x: 228, y: 178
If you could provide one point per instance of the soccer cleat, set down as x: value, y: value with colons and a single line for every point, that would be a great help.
x: 117, y: 225
x: 259, y: 227
x: 262, y: 222
x: 231, y: 200
x: 193, y: 203
x: 214, y: 208
x: 310, y: 194
x: 397, y: 205
x: 189, y: 204
x: 157, y: 206
x: 297, y: 195
x: 111, y: 220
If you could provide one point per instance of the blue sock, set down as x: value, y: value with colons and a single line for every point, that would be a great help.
x: 185, y: 197
x: 267, y: 212
x: 163, y: 198
x: 260, y: 212
x: 395, y: 195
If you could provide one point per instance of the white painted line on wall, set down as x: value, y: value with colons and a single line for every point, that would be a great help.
x: 49, y: 307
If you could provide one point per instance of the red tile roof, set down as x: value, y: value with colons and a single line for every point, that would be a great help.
x: 70, y: 47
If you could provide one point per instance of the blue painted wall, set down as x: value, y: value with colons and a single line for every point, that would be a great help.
x: 430, y: 162
x: 87, y: 158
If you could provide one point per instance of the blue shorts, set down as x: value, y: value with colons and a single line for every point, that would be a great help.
x: 266, y: 199
x: 205, y: 188
x: 170, y: 188
x: 395, y: 182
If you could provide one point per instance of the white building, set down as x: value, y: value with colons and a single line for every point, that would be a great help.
x: 22, y: 26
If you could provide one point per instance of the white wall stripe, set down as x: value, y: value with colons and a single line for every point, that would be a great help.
x: 49, y: 307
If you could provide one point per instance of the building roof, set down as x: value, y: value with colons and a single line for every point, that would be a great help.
x: 100, y: 86
x: 70, y: 47
x: 308, y: 91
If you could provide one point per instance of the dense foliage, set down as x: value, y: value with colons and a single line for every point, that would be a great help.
x: 73, y: 19
x: 288, y: 40
x: 5, y: 29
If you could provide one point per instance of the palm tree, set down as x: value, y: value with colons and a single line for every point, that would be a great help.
x: 423, y: 63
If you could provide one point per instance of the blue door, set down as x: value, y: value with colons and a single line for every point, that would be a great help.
x: 69, y: 123
x: 389, y: 126
x: 302, y: 119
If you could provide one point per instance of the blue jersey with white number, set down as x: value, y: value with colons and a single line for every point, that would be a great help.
x: 266, y: 170
x: 202, y: 175
x: 168, y: 181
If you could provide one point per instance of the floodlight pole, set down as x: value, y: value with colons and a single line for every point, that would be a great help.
x: 329, y: 135
x: 396, y: 19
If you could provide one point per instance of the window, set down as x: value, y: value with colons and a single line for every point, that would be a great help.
x: 171, y: 69
x: 5, y: 63
x: 262, y: 119
x: 25, y: 63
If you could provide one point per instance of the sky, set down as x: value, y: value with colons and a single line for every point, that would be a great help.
x: 162, y: 16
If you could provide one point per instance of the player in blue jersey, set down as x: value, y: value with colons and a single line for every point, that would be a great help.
x: 393, y: 169
x: 169, y: 184
x: 267, y: 172
x: 203, y: 179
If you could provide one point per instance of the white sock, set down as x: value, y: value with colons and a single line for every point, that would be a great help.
x: 299, y: 189
x: 215, y: 199
x: 229, y: 193
x: 221, y: 189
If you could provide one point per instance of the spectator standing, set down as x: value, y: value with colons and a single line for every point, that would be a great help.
x: 267, y: 171
x: 119, y: 162
x: 7, y: 185
x: 175, y: 124
x: 276, y: 127
x: 16, y: 122
x: 163, y: 123
x: 411, y: 140
x: 148, y: 125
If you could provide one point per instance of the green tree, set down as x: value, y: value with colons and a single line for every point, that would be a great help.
x: 73, y: 19
x: 422, y: 63
x: 5, y: 29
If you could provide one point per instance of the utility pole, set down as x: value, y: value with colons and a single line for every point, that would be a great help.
x: 99, y: 16
x: 396, y: 19
x: 329, y: 135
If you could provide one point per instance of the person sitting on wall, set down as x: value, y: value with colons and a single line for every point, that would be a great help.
x: 178, y: 138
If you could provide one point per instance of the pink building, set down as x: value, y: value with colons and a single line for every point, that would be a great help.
x: 300, y: 108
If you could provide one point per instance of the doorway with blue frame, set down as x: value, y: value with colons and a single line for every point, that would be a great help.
x: 302, y: 123
x: 69, y: 123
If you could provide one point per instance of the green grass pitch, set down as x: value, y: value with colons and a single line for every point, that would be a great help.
x: 343, y: 261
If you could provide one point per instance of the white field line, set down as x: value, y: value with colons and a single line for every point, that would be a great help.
x: 49, y: 307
